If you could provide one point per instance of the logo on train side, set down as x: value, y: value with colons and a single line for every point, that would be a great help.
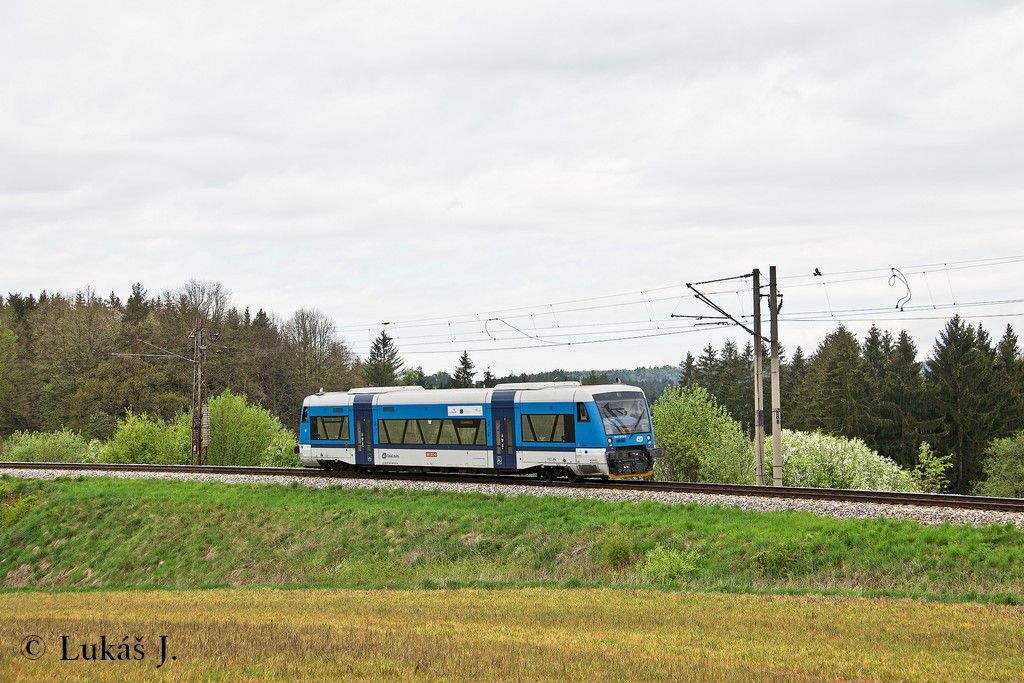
x: 431, y: 454
x: 465, y: 411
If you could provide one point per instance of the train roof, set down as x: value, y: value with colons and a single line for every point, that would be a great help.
x: 526, y: 392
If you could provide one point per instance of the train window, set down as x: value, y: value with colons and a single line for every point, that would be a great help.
x: 448, y: 435
x: 470, y: 432
x: 430, y: 429
x: 305, y: 415
x: 581, y: 412
x: 333, y: 428
x: 548, y: 428
x: 393, y: 431
x: 412, y: 433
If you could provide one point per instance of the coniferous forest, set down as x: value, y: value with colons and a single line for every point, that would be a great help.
x: 967, y: 392
x: 84, y: 361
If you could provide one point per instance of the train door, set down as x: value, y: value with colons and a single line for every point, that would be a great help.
x: 364, y: 429
x: 503, y: 419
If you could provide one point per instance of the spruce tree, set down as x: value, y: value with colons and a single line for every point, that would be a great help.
x: 261, y: 321
x: 489, y: 379
x: 879, y: 427
x: 706, y: 373
x: 136, y: 308
x: 382, y: 365
x: 793, y: 380
x: 836, y: 386
x: 901, y: 403
x: 688, y: 371
x: 733, y: 385
x: 1009, y: 384
x: 463, y: 376
x: 959, y: 380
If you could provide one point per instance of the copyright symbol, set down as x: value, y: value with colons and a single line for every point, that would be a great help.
x: 33, y: 647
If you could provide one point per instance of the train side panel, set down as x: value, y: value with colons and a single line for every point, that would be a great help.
x: 567, y: 428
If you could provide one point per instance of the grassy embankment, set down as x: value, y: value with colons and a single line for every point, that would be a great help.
x: 116, y: 533
x: 527, y: 635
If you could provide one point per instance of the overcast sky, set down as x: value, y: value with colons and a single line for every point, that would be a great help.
x: 388, y: 161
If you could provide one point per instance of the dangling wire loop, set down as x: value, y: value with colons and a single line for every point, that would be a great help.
x: 898, y: 276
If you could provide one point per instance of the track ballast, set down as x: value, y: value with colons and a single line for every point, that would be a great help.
x: 844, y: 495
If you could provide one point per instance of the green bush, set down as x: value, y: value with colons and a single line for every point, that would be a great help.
x: 701, y: 441
x: 833, y: 462
x: 932, y: 471
x: 661, y: 564
x: 62, y: 446
x: 615, y: 550
x: 782, y: 560
x: 1004, y: 468
x: 246, y: 434
x: 141, y: 439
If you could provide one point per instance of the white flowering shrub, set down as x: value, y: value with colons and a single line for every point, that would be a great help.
x: 824, y: 461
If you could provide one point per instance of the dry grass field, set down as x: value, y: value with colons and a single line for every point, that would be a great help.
x: 527, y: 634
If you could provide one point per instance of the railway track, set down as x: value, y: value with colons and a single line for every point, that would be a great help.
x: 846, y: 495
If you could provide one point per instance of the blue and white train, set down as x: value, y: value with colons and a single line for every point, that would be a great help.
x: 552, y: 429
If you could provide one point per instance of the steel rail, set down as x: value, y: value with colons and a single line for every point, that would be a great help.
x: 840, y: 495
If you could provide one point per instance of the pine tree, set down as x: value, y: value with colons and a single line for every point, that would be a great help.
x: 383, y: 364
x: 489, y: 379
x: 136, y: 308
x: 1009, y: 384
x: 463, y: 376
x: 794, y: 404
x: 261, y: 321
x: 706, y: 373
x: 733, y: 388
x: 959, y: 380
x: 836, y: 386
x: 688, y: 371
x: 875, y: 353
x: 902, y: 403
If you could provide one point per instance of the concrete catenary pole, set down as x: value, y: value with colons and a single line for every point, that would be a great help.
x: 200, y: 414
x: 758, y: 381
x: 773, y: 306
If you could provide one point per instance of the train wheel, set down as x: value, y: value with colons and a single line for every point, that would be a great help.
x: 546, y: 474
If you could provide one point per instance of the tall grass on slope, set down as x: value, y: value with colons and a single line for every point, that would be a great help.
x: 105, y: 532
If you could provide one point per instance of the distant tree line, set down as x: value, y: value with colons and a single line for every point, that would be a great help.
x: 967, y: 393
x: 58, y: 368
x: 83, y: 361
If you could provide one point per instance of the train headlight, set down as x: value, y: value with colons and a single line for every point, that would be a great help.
x: 648, y: 438
x: 609, y: 441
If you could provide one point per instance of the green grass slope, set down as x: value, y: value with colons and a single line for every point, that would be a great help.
x: 118, y: 533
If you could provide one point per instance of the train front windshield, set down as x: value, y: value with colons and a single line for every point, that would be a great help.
x: 623, y: 412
